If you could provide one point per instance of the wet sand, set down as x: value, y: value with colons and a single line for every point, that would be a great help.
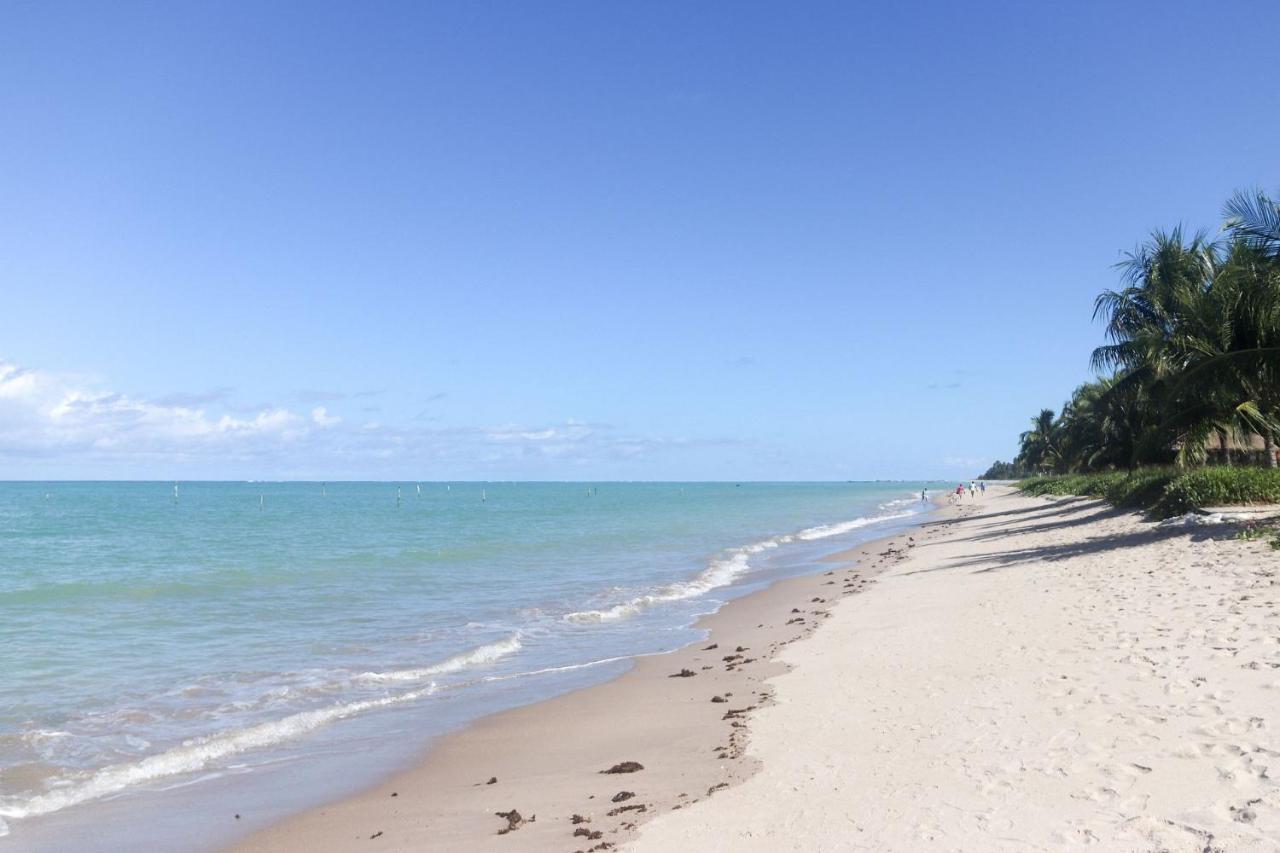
x: 1017, y: 674
x: 674, y: 730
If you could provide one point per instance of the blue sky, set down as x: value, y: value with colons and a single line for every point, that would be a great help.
x: 587, y: 240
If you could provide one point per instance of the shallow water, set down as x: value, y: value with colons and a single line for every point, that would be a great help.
x: 153, y: 640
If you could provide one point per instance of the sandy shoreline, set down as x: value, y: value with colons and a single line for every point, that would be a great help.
x: 689, y: 732
x: 1018, y: 674
x: 1037, y: 675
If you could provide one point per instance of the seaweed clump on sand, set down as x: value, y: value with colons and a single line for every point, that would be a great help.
x: 625, y: 767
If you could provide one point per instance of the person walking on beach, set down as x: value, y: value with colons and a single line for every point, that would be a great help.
x: 982, y: 484
x: 973, y: 490
x: 924, y: 496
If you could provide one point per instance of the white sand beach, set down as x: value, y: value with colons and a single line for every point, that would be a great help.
x: 586, y: 427
x: 1038, y: 675
x: 1022, y: 674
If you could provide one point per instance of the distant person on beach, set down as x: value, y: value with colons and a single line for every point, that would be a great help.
x: 983, y: 485
x: 924, y: 495
x: 973, y: 490
x: 960, y: 491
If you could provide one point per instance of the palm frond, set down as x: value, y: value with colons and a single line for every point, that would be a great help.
x: 1255, y: 219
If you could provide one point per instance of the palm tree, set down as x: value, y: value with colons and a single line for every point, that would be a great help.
x: 1255, y: 219
x: 1039, y: 444
x: 1238, y: 357
x: 1194, y: 324
x: 1167, y: 281
x: 1253, y: 274
x: 1097, y: 427
x: 1163, y: 278
x: 1192, y: 352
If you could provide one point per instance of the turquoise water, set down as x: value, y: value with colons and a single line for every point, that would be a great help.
x: 151, y: 638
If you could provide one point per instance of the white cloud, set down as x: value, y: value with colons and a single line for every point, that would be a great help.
x: 14, y: 381
x: 43, y: 412
x: 571, y: 430
x: 64, y: 426
x: 322, y: 417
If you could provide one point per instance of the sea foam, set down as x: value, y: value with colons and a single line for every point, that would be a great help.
x: 198, y: 753
x: 193, y: 755
x: 186, y: 718
x: 488, y: 653
x: 727, y: 568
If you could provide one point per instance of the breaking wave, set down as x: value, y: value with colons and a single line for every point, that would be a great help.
x: 725, y: 569
x: 198, y: 753
x: 488, y: 653
x: 195, y: 754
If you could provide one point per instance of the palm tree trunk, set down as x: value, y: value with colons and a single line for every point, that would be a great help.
x: 1226, y: 447
x: 1269, y: 443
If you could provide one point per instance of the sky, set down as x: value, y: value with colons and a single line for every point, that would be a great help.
x: 583, y: 240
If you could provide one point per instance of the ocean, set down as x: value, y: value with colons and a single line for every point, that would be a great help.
x: 166, y: 644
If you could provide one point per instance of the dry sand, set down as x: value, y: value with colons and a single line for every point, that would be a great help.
x: 1021, y: 675
x: 1037, y: 676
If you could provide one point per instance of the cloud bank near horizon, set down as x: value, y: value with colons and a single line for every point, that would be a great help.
x: 56, y: 425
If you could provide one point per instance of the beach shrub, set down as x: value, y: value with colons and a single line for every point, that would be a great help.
x: 1140, y: 489
x: 1268, y: 530
x: 1219, y: 486
x: 1166, y: 491
x: 1066, y: 484
x: 1122, y: 488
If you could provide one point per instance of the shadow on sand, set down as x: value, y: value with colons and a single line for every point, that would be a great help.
x: 1079, y: 512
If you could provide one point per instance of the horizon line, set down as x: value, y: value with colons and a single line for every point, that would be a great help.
x: 171, y: 480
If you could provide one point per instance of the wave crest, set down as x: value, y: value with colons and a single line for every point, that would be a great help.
x: 198, y: 753
x: 723, y: 570
x: 487, y: 653
x: 193, y: 755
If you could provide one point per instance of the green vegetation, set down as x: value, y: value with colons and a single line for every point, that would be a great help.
x: 1220, y: 487
x: 1166, y: 491
x: 1261, y: 530
x: 1142, y: 489
x: 1189, y: 375
x: 1005, y: 471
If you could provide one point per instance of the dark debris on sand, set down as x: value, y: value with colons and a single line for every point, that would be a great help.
x: 514, y: 820
x: 625, y: 767
x: 636, y: 807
